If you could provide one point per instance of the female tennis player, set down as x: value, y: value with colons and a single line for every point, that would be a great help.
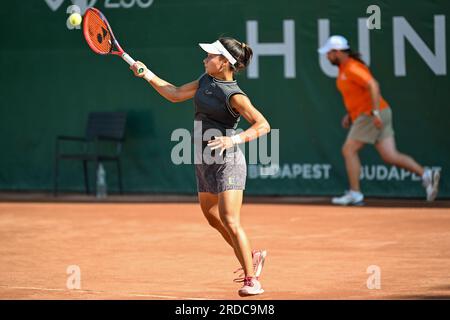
x: 370, y: 120
x: 219, y: 103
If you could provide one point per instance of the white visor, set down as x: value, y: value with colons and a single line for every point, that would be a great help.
x: 218, y: 48
x: 334, y: 43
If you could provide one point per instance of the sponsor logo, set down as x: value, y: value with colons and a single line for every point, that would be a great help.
x: 305, y: 171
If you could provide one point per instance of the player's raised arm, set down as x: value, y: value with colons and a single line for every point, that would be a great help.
x: 259, y: 125
x: 164, y: 88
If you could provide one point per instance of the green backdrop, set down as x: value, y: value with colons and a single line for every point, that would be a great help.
x: 50, y: 81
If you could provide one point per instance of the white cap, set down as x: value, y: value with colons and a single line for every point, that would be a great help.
x: 334, y: 43
x: 217, y: 48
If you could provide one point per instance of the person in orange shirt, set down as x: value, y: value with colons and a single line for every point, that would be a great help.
x: 369, y: 118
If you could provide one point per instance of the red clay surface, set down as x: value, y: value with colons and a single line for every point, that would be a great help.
x: 168, y: 251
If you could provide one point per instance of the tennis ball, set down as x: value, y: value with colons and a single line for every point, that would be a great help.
x: 75, y: 19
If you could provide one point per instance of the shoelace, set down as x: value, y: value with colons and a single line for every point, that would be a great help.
x: 248, y: 282
x: 241, y: 277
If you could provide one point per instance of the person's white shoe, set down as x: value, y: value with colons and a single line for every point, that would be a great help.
x: 258, y: 257
x: 349, y: 198
x: 251, y: 287
x: 430, y: 181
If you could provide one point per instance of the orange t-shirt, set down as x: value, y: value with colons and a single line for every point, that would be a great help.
x: 352, y: 82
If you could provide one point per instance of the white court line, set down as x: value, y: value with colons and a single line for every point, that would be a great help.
x: 107, y: 292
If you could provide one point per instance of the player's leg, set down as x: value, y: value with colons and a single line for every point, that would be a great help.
x: 210, y: 208
x: 230, y: 203
x: 229, y: 206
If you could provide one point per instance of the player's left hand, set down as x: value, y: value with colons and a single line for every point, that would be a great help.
x: 377, y: 122
x: 220, y: 142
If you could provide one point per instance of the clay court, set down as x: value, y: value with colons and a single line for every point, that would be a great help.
x: 168, y: 251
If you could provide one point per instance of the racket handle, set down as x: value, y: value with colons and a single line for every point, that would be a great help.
x: 130, y: 61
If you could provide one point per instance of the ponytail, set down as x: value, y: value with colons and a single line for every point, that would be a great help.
x: 354, y: 55
x: 239, y: 50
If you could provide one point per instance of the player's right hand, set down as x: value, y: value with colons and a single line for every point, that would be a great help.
x: 346, y: 121
x: 139, y: 65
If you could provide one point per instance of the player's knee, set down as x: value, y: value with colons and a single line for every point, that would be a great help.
x: 213, y: 222
x: 230, y: 223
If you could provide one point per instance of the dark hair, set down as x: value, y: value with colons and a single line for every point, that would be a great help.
x: 239, y: 50
x: 355, y: 55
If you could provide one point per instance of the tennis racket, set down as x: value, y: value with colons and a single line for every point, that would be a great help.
x: 100, y: 38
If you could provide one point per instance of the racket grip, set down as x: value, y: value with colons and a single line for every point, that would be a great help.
x: 130, y: 61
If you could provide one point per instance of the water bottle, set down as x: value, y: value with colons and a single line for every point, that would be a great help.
x: 101, y: 182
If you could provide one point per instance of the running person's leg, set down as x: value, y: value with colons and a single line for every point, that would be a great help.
x: 352, y: 163
x: 388, y: 152
x: 350, y: 151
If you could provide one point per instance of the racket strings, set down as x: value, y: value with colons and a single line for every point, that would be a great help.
x: 98, y: 33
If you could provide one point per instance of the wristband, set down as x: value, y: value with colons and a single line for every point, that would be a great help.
x: 236, y: 139
x: 149, y: 75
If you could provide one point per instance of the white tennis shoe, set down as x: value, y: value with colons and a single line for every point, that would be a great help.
x: 258, y: 258
x: 251, y: 287
x: 349, y: 198
x: 430, y: 181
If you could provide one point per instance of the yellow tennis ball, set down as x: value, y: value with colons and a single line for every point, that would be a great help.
x: 75, y: 19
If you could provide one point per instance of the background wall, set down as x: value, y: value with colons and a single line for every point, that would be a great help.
x: 50, y: 80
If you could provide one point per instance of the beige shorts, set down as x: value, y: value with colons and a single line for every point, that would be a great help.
x: 365, y: 131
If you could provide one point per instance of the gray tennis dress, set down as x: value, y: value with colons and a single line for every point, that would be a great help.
x: 213, y: 112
